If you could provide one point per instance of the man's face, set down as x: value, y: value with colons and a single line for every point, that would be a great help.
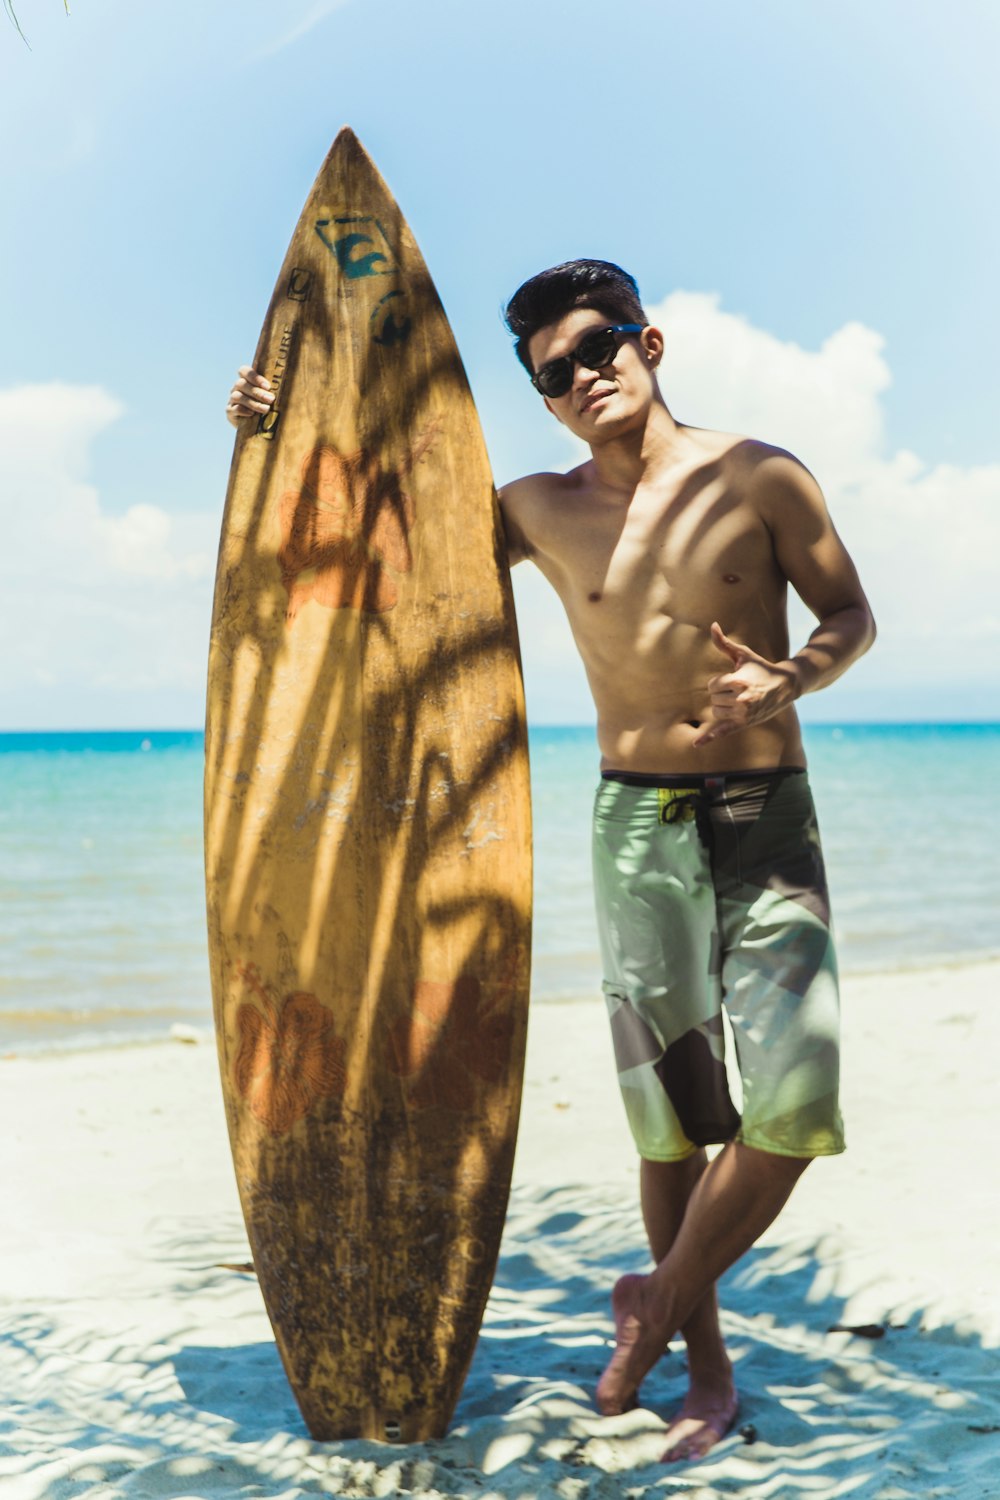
x: 600, y: 404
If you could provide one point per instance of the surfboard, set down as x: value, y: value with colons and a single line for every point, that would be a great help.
x: 367, y: 828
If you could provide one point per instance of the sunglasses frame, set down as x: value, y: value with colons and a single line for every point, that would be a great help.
x: 574, y: 358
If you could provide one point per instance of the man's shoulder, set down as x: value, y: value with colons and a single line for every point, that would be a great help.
x: 749, y: 455
x: 530, y: 507
x: 545, y: 485
x: 534, y: 496
x: 775, y: 484
x: 773, y: 461
x: 760, y: 469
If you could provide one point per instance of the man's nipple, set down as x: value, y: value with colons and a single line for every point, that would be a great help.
x: 595, y: 597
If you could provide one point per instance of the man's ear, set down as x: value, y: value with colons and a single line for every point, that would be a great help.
x: 651, y: 340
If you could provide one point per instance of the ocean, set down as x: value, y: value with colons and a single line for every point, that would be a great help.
x: 102, y: 919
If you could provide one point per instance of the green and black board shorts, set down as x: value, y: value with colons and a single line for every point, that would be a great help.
x: 711, y: 891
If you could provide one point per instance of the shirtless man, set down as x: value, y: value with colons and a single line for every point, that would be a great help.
x: 671, y: 549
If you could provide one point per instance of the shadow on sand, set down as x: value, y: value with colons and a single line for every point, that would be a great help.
x: 913, y: 1414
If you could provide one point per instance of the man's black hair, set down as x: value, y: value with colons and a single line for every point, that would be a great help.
x: 551, y: 294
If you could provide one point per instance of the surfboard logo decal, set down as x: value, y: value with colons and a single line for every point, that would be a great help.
x: 346, y: 530
x: 267, y: 422
x: 300, y: 284
x: 289, y: 1054
x: 359, y: 243
x: 389, y: 330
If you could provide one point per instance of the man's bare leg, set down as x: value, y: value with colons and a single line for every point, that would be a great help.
x: 710, y: 1406
x: 736, y: 1198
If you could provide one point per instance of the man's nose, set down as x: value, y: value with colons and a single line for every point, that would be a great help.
x: 583, y: 375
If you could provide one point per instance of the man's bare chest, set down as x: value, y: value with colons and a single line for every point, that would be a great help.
x: 675, y: 551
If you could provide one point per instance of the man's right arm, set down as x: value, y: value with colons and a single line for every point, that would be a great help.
x: 517, y: 547
x: 525, y: 505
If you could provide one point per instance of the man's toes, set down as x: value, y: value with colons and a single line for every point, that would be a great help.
x: 693, y: 1437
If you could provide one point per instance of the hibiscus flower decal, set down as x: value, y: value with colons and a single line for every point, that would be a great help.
x: 451, y: 1038
x: 289, y: 1055
x: 346, y: 529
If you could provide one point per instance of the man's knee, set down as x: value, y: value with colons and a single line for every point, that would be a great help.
x: 774, y: 1163
x: 794, y: 1166
x: 686, y: 1169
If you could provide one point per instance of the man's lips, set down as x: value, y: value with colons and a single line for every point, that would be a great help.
x: 596, y: 396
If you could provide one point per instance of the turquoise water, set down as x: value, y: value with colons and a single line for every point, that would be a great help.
x: 102, y: 926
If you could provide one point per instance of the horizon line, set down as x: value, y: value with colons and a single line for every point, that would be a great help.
x: 807, y: 724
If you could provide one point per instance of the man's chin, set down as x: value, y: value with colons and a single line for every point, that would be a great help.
x: 604, y: 422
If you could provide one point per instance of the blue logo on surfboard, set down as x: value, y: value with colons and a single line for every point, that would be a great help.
x: 360, y: 245
x: 361, y: 248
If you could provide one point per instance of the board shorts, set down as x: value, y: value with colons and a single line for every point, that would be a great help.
x: 711, y: 891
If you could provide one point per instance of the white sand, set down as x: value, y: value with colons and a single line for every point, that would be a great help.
x: 130, y: 1365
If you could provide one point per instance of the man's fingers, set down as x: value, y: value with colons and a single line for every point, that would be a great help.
x: 253, y: 377
x: 251, y: 395
x: 240, y: 406
x: 726, y: 687
x: 728, y: 715
x: 717, y: 732
x: 737, y: 654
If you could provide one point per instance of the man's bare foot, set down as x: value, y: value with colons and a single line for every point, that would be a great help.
x: 640, y: 1339
x: 708, y: 1413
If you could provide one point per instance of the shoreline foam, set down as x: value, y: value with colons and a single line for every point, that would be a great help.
x: 188, y: 1026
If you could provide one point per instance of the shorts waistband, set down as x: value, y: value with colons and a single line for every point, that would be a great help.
x: 699, y: 780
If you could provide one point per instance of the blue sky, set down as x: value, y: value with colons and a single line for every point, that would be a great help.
x: 804, y: 191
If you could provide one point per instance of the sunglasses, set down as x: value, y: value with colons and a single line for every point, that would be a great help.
x: 595, y: 350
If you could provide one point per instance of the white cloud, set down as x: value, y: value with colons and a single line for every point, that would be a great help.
x: 720, y: 371
x: 925, y: 536
x: 97, y: 611
x: 138, y: 544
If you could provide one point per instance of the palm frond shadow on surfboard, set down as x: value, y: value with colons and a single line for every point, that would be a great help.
x: 367, y: 829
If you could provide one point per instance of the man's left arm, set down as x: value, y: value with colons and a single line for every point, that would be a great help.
x: 818, y: 566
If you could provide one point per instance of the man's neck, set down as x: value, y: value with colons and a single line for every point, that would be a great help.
x: 624, y: 462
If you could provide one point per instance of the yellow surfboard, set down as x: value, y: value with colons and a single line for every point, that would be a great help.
x: 367, y: 828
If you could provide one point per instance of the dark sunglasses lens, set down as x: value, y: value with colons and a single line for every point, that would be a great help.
x: 556, y: 378
x: 595, y: 350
